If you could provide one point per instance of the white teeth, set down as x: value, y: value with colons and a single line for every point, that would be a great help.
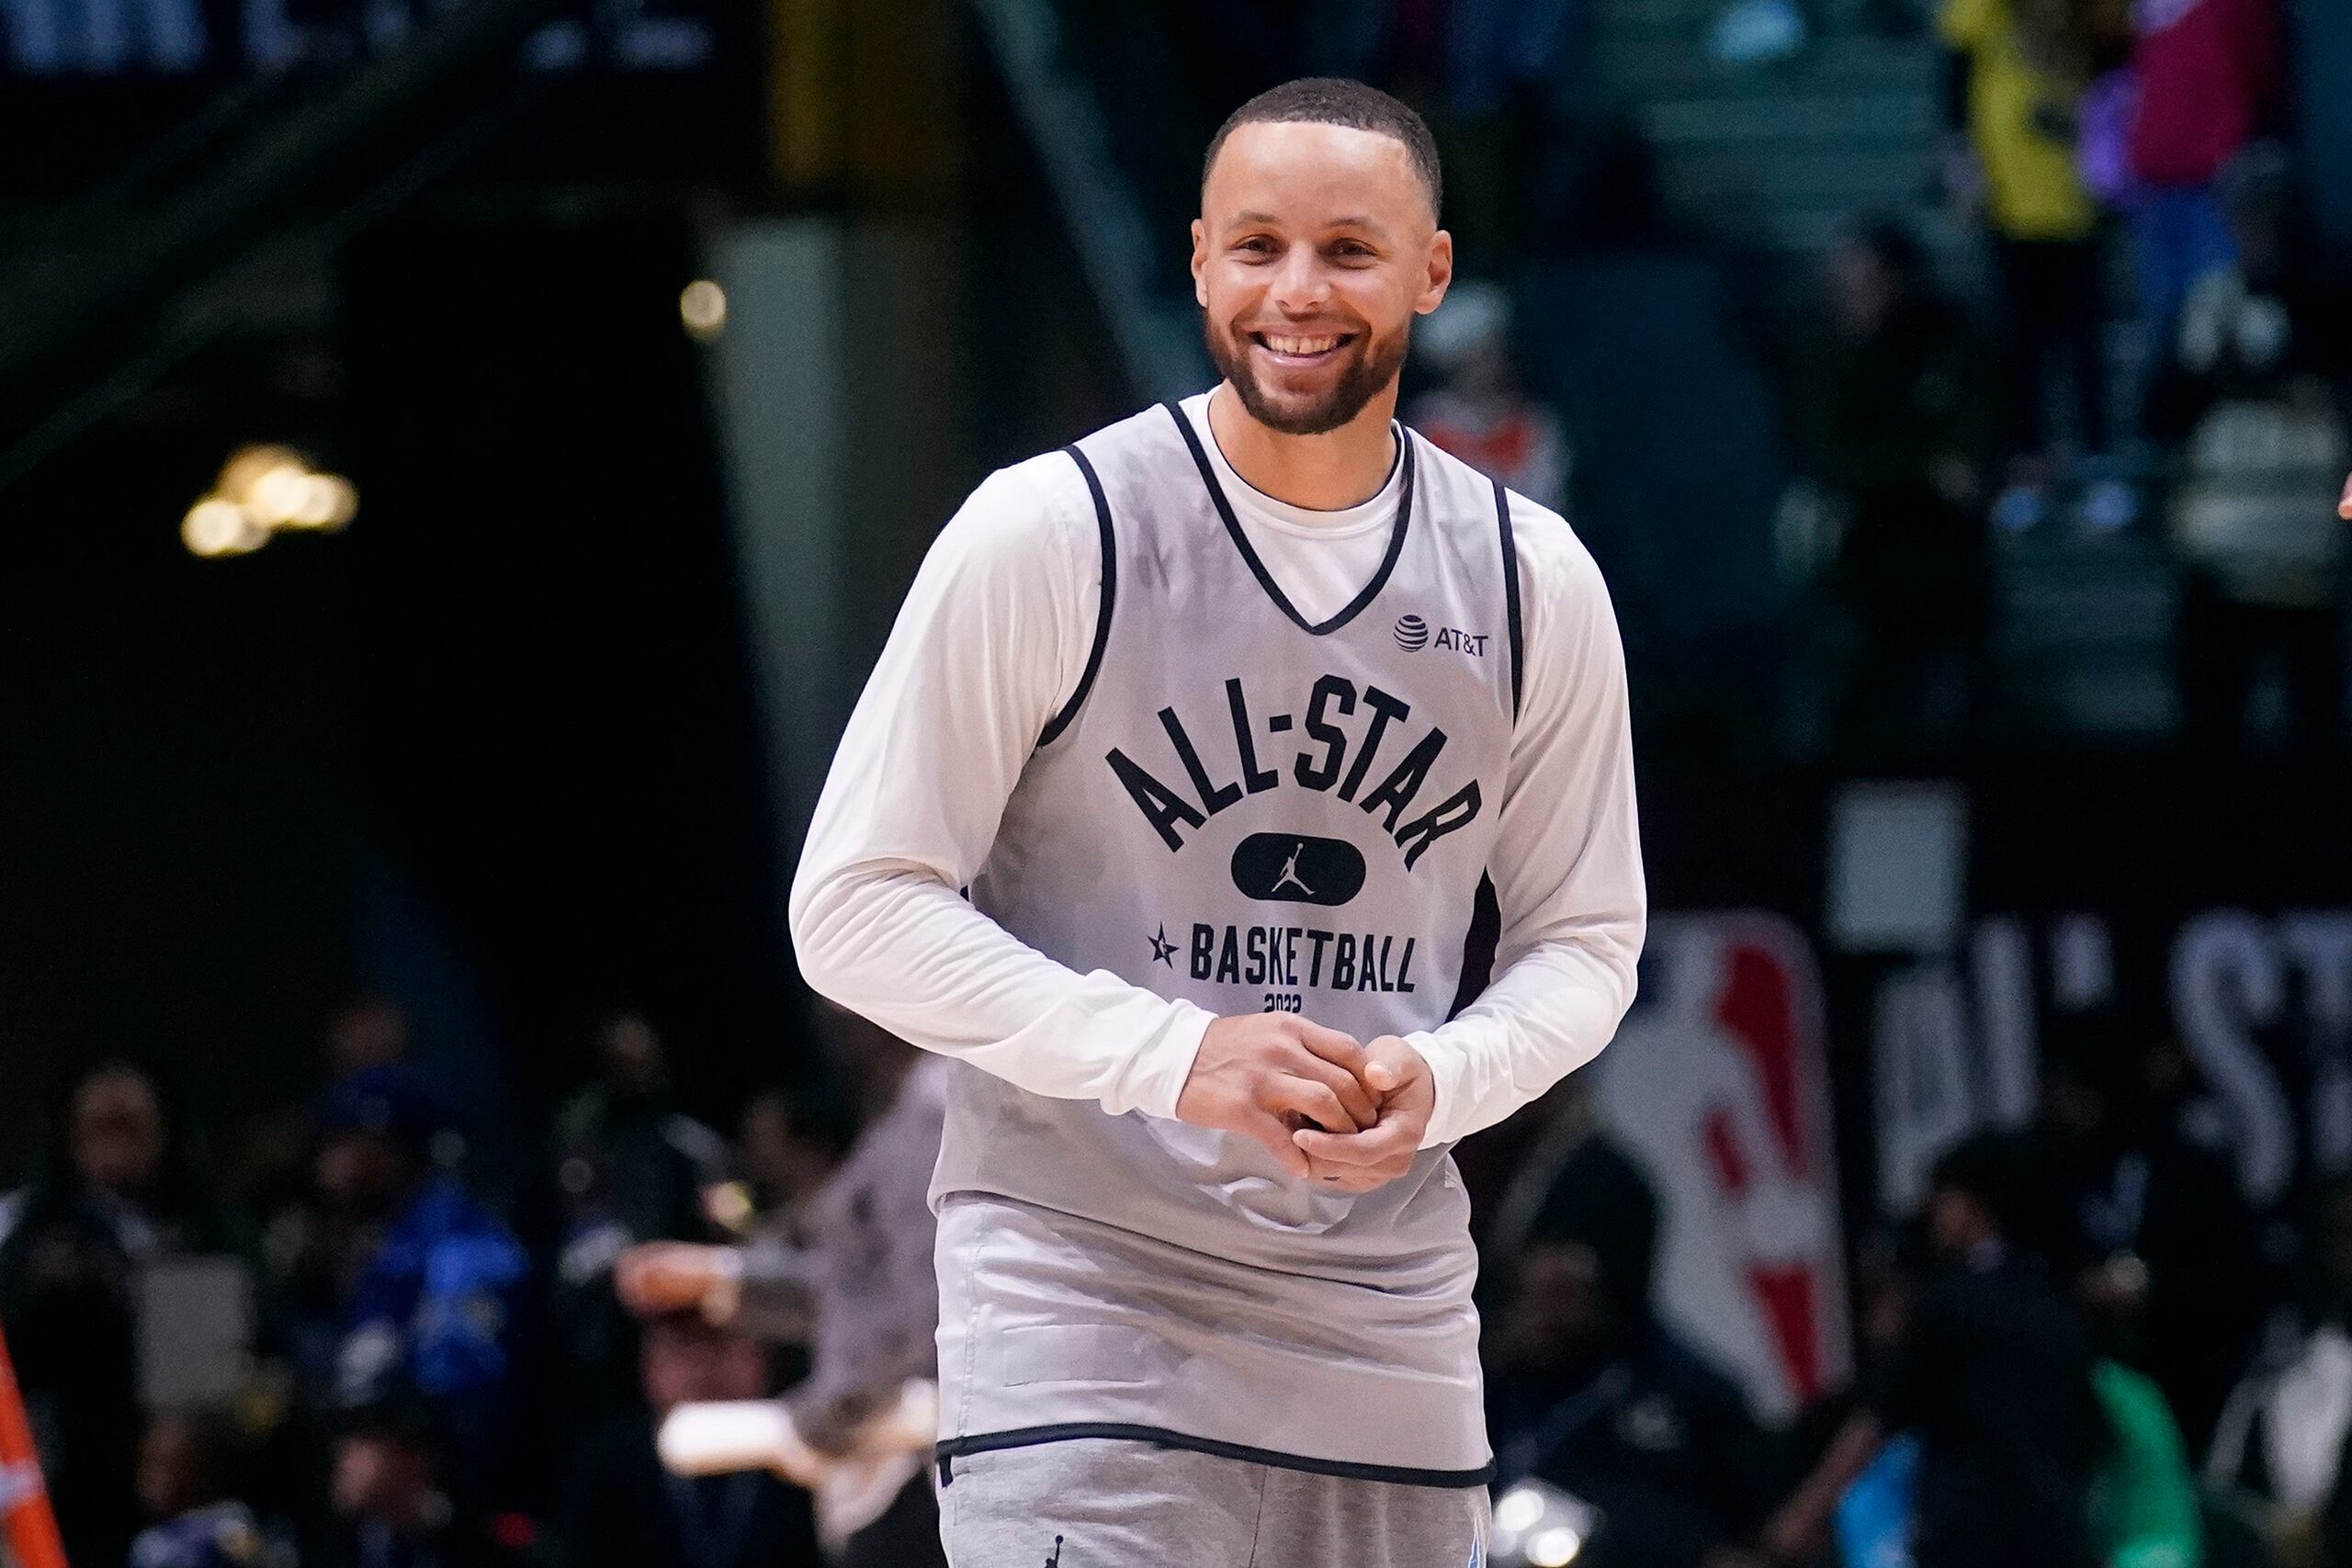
x: 1302, y: 344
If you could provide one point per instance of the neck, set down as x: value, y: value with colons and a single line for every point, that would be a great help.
x: 1340, y: 468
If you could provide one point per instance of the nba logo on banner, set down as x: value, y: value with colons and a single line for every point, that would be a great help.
x: 1718, y: 1084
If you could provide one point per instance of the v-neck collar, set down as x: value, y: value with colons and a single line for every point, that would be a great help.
x: 1250, y: 553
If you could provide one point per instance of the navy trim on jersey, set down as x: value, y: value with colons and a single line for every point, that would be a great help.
x: 1061, y: 721
x: 1258, y: 568
x: 1481, y: 940
x: 952, y: 1448
x: 1511, y: 587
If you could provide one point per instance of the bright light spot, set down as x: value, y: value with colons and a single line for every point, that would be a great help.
x: 1556, y: 1548
x: 275, y: 497
x: 218, y: 527
x: 328, y: 502
x: 247, y: 466
x: 1519, y: 1510
x: 703, y: 307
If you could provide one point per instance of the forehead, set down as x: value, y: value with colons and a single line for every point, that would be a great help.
x: 1307, y: 174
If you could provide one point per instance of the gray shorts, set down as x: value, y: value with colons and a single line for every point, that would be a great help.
x: 1118, y: 1502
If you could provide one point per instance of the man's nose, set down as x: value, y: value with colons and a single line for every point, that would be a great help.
x: 1302, y: 285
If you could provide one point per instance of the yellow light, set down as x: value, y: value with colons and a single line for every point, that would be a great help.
x: 276, y: 495
x: 328, y: 502
x: 215, y: 527
x: 1556, y: 1548
x: 703, y: 307
x: 1519, y: 1510
x: 247, y: 466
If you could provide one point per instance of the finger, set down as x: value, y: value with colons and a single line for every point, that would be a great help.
x: 1340, y: 1050
x: 2344, y: 507
x: 1353, y: 1179
x: 1355, y: 1150
x: 1386, y: 1068
x: 1361, y: 1110
x: 1274, y: 1138
x: 1316, y: 1101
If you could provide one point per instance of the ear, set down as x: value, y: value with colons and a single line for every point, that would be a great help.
x: 1439, y: 277
x: 1200, y: 263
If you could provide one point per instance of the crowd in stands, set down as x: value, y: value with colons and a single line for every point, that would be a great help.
x: 2084, y: 1350
x: 2138, y: 337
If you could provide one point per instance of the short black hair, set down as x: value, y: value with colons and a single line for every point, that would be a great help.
x: 1337, y: 100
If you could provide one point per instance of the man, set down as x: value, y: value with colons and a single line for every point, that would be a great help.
x: 430, y: 1282
x: 395, y: 1496
x: 623, y: 1511
x: 1991, y: 1371
x: 1204, y: 1260
x: 1595, y: 1394
x: 864, y: 1283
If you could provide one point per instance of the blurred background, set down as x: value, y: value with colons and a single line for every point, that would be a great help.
x: 459, y: 458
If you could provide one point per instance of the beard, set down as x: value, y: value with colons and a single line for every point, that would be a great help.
x: 1372, y: 366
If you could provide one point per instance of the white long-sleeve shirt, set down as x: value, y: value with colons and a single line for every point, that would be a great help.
x: 990, y: 643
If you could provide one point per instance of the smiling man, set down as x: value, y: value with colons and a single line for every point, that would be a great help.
x: 1232, y: 718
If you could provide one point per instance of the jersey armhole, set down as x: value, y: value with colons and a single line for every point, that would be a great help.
x: 1511, y: 588
x: 1062, y: 720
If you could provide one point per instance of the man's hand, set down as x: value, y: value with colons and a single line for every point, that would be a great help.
x: 1264, y: 1075
x: 1384, y: 1148
x: 655, y: 1277
x: 2344, y: 507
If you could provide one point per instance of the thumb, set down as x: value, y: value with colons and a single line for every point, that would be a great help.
x: 1382, y: 1078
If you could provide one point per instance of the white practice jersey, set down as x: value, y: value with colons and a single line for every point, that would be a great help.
x: 1146, y: 747
x: 1251, y: 811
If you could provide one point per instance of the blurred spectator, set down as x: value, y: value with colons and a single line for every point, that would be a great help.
x: 625, y: 1511
x: 2251, y: 389
x: 2170, y: 1268
x: 1494, y: 79
x: 866, y: 1277
x: 1893, y: 416
x: 424, y: 1283
x: 392, y: 1495
x: 787, y: 1151
x: 632, y: 1166
x: 371, y: 1033
x: 117, y: 1195
x: 2144, y: 1500
x: 1591, y: 1390
x: 629, y: 1167
x: 2209, y: 73
x: 1478, y: 411
x: 187, y: 1483
x: 2018, y: 72
x: 2282, y: 1436
x: 1992, y: 1374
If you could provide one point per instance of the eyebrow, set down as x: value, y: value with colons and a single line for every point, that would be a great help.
x: 1359, y: 220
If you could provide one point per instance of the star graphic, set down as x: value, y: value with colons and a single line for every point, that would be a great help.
x: 1162, y: 950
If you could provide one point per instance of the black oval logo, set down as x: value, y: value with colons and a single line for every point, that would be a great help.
x: 1412, y: 633
x: 1291, y: 868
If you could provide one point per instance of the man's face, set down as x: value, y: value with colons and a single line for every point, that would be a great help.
x: 1315, y: 249
x: 117, y: 1132
x: 684, y: 1360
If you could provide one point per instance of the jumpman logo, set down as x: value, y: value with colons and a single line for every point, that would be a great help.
x: 1290, y: 873
x: 1056, y: 1560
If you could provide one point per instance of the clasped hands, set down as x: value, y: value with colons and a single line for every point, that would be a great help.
x: 1339, y: 1115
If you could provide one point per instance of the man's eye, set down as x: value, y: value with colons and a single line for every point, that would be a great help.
x: 1257, y: 245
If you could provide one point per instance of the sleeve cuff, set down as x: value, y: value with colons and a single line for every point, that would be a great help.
x: 1157, y: 1078
x: 1447, y: 1066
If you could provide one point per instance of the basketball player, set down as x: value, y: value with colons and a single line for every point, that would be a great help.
x: 1222, y: 715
